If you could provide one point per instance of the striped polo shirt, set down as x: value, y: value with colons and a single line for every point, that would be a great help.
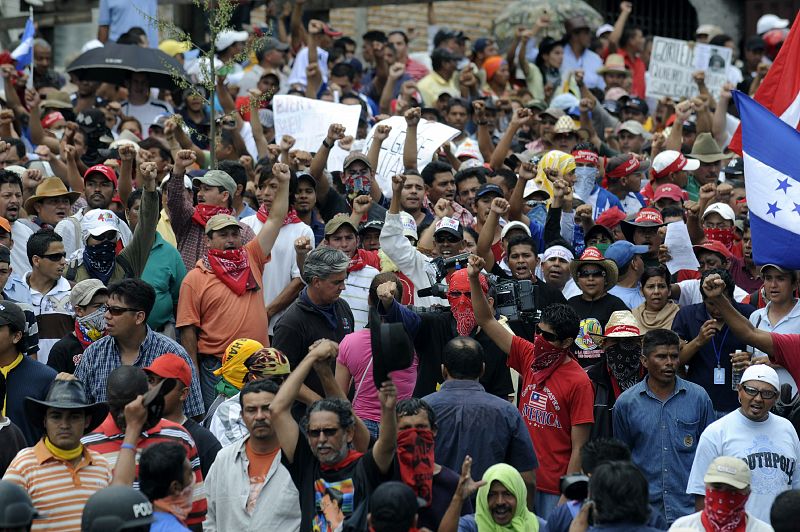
x: 58, y: 489
x: 107, y: 440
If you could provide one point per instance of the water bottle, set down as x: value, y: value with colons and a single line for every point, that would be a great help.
x: 736, y: 375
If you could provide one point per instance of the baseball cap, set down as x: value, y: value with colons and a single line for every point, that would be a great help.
x: 375, y: 225
x: 354, y: 156
x: 770, y: 22
x: 338, y: 221
x: 635, y: 128
x: 394, y: 502
x: 735, y: 167
x: 604, y: 28
x: 216, y: 178
x: 220, y: 221
x: 11, y: 314
x: 514, y: 225
x: 708, y: 29
x: 308, y: 177
x: 714, y: 246
x: 489, y: 188
x: 553, y: 112
x: 99, y: 221
x: 728, y: 470
x: 5, y: 225
x: 449, y: 225
x: 5, y: 255
x: 83, y: 292
x: 670, y: 191
x: 187, y: 182
x: 756, y: 42
x: 171, y: 366
x: 409, y: 225
x: 470, y: 150
x: 761, y: 269
x: 622, y: 252
x: 635, y: 103
x: 669, y: 161
x: 531, y: 188
x: 226, y: 39
x: 105, y: 171
x: 611, y: 218
x: 330, y: 32
x: 762, y: 373
x: 723, y: 209
x: 271, y: 43
x: 481, y: 43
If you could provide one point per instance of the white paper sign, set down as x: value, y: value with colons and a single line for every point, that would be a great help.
x: 680, y: 248
x: 430, y: 136
x: 673, y: 62
x: 308, y: 120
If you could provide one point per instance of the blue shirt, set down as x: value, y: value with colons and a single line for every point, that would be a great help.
x: 602, y: 200
x: 103, y: 356
x: 589, y: 61
x: 561, y: 517
x: 247, y: 211
x: 164, y: 522
x: 476, y: 423
x: 122, y: 15
x: 716, y: 353
x: 663, y: 436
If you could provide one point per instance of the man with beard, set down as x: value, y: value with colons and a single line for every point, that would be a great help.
x: 728, y: 482
x: 88, y: 300
x: 556, y: 396
x: 621, y: 369
x: 323, y: 457
x: 10, y: 205
x: 660, y: 419
x: 253, y: 466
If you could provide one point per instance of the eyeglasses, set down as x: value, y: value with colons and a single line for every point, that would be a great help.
x: 455, y: 294
x: 119, y: 311
x: 765, y: 394
x: 550, y: 337
x: 316, y: 433
x: 108, y: 235
x: 586, y: 274
x: 446, y: 239
x: 55, y: 257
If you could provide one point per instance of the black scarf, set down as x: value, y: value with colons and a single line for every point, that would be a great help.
x: 624, y: 363
x: 100, y: 260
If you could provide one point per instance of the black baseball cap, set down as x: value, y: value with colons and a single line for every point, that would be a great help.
x: 734, y: 168
x: 489, y: 188
x: 11, y: 314
x: 375, y: 225
x: 308, y: 177
x: 635, y: 103
x: 396, y: 503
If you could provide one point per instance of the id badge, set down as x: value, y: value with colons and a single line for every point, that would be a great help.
x: 719, y: 375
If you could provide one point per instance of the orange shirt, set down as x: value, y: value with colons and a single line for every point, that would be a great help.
x: 220, y: 315
x: 257, y: 469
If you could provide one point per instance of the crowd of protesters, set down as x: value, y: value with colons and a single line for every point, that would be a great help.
x: 490, y: 341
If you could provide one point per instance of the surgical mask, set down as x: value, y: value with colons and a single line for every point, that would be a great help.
x: 585, y: 181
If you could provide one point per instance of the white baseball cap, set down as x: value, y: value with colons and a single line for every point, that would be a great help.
x: 669, y: 161
x: 532, y: 188
x: 723, y: 209
x: 762, y: 373
x: 409, y: 225
x: 605, y: 28
x: 770, y: 22
x: 226, y: 38
x: 187, y: 182
x: 99, y: 221
x: 514, y: 225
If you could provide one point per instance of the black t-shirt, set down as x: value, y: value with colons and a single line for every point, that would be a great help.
x: 65, y: 354
x: 444, y: 485
x: 336, y: 203
x: 11, y: 442
x: 594, y: 315
x: 207, y: 444
x: 355, y: 481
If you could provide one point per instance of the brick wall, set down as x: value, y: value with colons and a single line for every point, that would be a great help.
x: 473, y: 17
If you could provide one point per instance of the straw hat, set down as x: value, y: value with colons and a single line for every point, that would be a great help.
x: 622, y: 324
x: 592, y: 255
x: 51, y: 187
x: 615, y: 64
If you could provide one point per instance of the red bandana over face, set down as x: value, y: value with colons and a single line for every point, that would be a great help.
x: 546, y: 358
x: 232, y: 267
x: 458, y: 295
x: 204, y: 211
x: 723, y: 236
x: 415, y: 456
x: 291, y: 216
x: 724, y: 511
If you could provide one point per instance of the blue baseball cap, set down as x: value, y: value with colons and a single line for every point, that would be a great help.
x: 622, y: 252
x: 489, y: 188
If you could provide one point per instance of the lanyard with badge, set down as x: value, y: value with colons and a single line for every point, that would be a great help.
x: 719, y: 371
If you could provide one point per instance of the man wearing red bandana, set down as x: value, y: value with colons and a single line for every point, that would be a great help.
x: 727, y: 483
x: 669, y: 166
x: 556, y: 397
x: 215, y: 196
x: 220, y: 298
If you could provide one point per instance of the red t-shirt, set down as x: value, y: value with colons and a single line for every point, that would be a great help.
x: 638, y: 70
x: 785, y: 353
x: 550, y: 411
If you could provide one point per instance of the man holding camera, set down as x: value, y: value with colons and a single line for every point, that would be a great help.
x: 556, y: 397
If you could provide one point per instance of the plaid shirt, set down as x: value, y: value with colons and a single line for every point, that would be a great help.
x: 103, y: 356
x: 462, y: 215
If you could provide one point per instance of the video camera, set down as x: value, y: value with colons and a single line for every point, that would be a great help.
x: 441, y: 266
x: 516, y: 300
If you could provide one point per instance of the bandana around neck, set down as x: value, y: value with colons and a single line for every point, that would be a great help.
x: 178, y: 505
x: 204, y: 211
x: 232, y: 267
x: 291, y: 216
x: 100, y: 260
x: 546, y: 359
x: 91, y: 327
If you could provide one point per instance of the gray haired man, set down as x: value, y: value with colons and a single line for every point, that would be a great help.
x: 318, y: 312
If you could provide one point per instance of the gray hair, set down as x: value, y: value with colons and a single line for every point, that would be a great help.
x: 41, y: 43
x: 323, y: 262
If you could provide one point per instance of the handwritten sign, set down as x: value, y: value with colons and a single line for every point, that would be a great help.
x: 673, y: 62
x: 430, y: 136
x: 308, y: 120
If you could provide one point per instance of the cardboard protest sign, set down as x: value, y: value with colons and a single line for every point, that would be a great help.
x: 308, y: 120
x: 673, y: 62
x: 430, y: 136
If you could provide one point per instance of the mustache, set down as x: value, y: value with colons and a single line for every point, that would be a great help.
x: 501, y: 507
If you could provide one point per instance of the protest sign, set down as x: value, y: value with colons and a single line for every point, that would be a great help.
x: 673, y: 62
x: 430, y: 135
x: 308, y: 120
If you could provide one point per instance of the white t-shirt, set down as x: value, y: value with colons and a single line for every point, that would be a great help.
x: 770, y: 447
x: 789, y: 324
x: 690, y: 293
x: 147, y: 113
x: 694, y: 522
x: 282, y: 267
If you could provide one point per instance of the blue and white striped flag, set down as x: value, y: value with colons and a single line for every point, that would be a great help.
x: 23, y: 54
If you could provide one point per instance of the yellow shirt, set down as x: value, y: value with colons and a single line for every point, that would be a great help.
x: 432, y: 85
x: 164, y: 228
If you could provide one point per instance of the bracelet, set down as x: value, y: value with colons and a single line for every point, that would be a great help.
x: 128, y: 446
x: 325, y: 143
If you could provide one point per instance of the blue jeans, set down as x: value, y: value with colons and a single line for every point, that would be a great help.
x: 544, y: 503
x: 207, y: 378
x: 373, y: 427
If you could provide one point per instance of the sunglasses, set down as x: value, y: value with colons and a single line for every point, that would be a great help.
x: 455, y: 294
x: 316, y: 433
x: 55, y: 257
x: 550, y: 337
x: 448, y: 239
x: 584, y: 274
x: 767, y: 395
x: 119, y: 311
x: 108, y: 235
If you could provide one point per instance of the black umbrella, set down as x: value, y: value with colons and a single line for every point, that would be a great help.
x: 114, y: 62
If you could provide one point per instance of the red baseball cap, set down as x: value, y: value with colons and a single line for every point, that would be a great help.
x: 171, y: 366
x: 610, y: 218
x: 715, y: 247
x: 106, y: 171
x: 670, y: 191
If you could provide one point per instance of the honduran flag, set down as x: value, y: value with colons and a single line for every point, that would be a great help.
x: 23, y: 54
x: 780, y: 90
x: 769, y: 148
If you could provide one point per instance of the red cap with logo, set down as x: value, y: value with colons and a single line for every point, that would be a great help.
x: 610, y: 218
x: 714, y: 246
x: 648, y: 216
x: 106, y: 171
x: 171, y: 366
x: 670, y: 191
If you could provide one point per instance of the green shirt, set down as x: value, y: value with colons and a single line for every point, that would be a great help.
x: 164, y: 272
x: 693, y: 188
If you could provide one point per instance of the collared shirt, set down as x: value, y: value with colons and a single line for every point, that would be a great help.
x: 663, y: 436
x: 432, y: 85
x: 476, y: 423
x: 228, y: 486
x: 54, y: 314
x: 588, y: 61
x: 103, y: 356
x: 59, y: 490
x: 227, y: 424
x: 789, y: 324
x: 637, y: 69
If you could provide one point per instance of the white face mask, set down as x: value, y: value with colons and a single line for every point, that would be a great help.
x: 58, y: 133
